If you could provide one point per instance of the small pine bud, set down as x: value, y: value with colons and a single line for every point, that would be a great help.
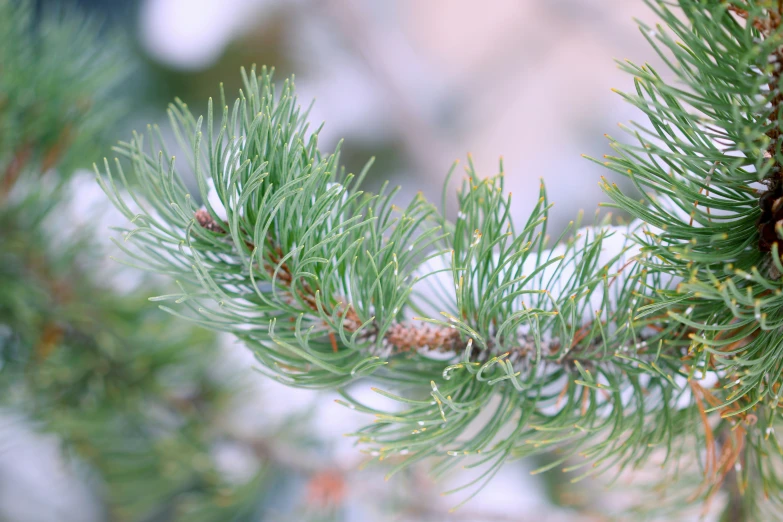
x: 206, y: 221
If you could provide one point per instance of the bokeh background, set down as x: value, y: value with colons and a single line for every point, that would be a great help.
x: 417, y: 85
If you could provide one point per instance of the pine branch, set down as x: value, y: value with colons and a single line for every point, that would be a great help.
x: 593, y: 345
x: 537, y: 327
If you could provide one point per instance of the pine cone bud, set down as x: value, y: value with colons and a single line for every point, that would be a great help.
x: 406, y: 338
x: 206, y: 221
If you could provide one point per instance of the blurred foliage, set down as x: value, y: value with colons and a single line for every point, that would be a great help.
x: 131, y: 395
x: 113, y: 12
x: 52, y: 61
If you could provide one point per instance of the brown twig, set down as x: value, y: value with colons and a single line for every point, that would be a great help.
x: 55, y: 152
x: 742, y: 13
x: 14, y: 168
x: 24, y: 153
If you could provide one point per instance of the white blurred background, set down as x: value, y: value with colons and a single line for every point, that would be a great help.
x: 420, y: 84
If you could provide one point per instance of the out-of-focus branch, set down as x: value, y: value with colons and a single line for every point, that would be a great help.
x: 14, y: 169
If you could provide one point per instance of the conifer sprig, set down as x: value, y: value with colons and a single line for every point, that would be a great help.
x: 598, y: 347
x: 708, y: 166
x: 328, y: 284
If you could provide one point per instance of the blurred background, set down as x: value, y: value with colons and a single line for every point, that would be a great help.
x: 417, y: 85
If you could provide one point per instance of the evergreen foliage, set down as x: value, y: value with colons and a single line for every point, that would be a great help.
x: 611, y: 348
x: 601, y: 348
